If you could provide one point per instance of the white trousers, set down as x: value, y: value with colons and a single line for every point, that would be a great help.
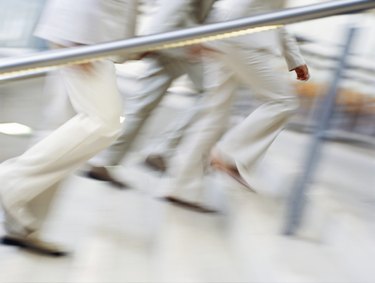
x: 96, y: 102
x: 153, y: 84
x: 245, y: 144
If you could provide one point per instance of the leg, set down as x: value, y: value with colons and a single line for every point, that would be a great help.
x: 160, y: 73
x: 57, y: 108
x: 39, y: 207
x: 246, y: 144
x: 209, y: 124
x: 49, y: 161
x: 194, y: 70
x: 170, y: 139
x: 152, y: 86
x: 172, y: 136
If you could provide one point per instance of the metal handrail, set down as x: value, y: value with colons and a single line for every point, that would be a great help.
x: 50, y: 59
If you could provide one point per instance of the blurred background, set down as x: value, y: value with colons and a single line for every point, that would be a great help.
x: 132, y: 237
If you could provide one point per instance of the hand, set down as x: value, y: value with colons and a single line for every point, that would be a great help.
x: 302, y: 72
x: 86, y: 67
x: 140, y: 56
x: 195, y: 52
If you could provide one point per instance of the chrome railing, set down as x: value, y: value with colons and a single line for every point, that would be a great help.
x: 12, y: 67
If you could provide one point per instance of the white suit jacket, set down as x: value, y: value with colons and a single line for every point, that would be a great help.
x: 87, y: 21
x: 177, y: 14
x: 277, y: 40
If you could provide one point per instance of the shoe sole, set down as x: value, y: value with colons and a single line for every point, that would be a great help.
x: 10, y: 241
x: 95, y: 176
x: 238, y: 178
x: 155, y: 165
x: 188, y: 205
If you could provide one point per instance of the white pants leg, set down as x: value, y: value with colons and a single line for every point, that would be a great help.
x: 41, y: 204
x: 210, y: 122
x: 152, y: 87
x: 172, y: 136
x: 56, y: 111
x: 57, y: 108
x: 95, y: 98
x: 246, y: 143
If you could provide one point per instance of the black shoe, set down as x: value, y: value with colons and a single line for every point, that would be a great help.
x: 33, y: 244
x: 156, y: 162
x: 102, y: 174
x: 189, y: 205
x: 229, y: 170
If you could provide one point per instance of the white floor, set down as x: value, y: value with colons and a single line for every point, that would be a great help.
x: 132, y: 236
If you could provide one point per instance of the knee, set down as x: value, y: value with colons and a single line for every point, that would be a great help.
x: 109, y: 129
x: 109, y: 122
x: 289, y: 105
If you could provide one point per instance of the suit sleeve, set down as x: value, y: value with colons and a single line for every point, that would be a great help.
x: 290, y: 50
x: 132, y: 15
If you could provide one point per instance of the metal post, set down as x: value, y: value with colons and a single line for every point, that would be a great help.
x: 297, y: 199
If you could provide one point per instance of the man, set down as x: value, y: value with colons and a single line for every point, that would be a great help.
x: 95, y: 102
x: 162, y: 69
x: 253, y: 60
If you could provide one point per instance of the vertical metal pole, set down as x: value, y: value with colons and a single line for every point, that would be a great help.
x: 297, y: 198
